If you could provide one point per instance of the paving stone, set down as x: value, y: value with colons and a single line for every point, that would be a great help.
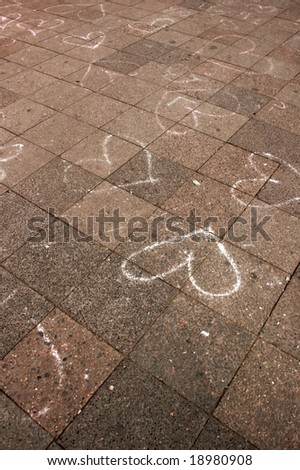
x: 60, y: 66
x: 272, y: 245
x: 277, y: 68
x: 8, y: 97
x: 19, y: 430
x: 125, y: 126
x: 122, y: 62
x: 54, y: 371
x: 286, y: 54
x: 194, y: 351
x: 169, y: 37
x: 24, y: 114
x: 229, y: 280
x: 22, y: 310
x: 290, y: 94
x: 218, y: 70
x: 215, y: 121
x: 5, y: 136
x: 181, y: 57
x: 16, y: 214
x: 93, y: 77
x: 59, y: 95
x: 196, y: 86
x: 20, y: 158
x: 239, y: 169
x: 101, y: 153
x: 267, y: 377
x: 235, y: 56
x: 169, y: 104
x: 148, y: 49
x: 118, y: 309
x: 90, y: 52
x: 159, y: 74
x: 217, y: 436
x: 130, y: 90
x: 27, y: 82
x: 186, y: 146
x: 58, y: 133
x: 10, y: 45
x: 239, y: 100
x: 282, y: 190
x: 55, y: 259
x: 9, y: 69
x: 96, y: 109
x: 107, y: 198
x: 212, y: 201
x: 223, y: 36
x: 283, y: 327
x: 150, y: 177
x: 31, y: 56
x: 282, y: 115
x: 169, y: 421
x: 58, y: 43
x: 259, y: 83
x: 57, y: 185
x: 270, y: 141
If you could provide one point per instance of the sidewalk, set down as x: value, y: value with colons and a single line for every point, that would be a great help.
x: 150, y: 162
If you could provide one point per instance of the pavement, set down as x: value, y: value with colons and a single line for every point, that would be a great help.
x: 150, y: 186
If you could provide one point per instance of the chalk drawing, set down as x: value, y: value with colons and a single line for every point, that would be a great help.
x: 54, y: 353
x: 150, y: 179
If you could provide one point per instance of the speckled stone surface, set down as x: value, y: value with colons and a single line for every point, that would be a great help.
x: 163, y: 136
x: 169, y: 421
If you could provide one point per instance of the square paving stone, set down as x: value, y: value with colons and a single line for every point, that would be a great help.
x: 181, y: 57
x: 122, y: 62
x: 277, y: 68
x: 54, y: 371
x: 8, y: 97
x: 20, y: 158
x: 150, y: 177
x: 138, y: 126
x: 216, y: 436
x: 58, y: 133
x: 159, y: 74
x: 169, y: 37
x: 60, y: 66
x: 239, y: 169
x: 169, y: 104
x: 280, y: 114
x: 109, y: 199
x: 96, y: 109
x: 101, y: 153
x: 218, y: 70
x: 58, y: 43
x: 235, y: 56
x: 57, y: 185
x: 115, y: 307
x: 16, y: 213
x: 282, y: 190
x: 31, y: 56
x: 215, y: 121
x: 203, y: 47
x: 283, y: 327
x: 10, y: 45
x: 59, y: 95
x: 212, y: 201
x: 194, y: 351
x: 130, y: 90
x: 93, y: 77
x: 90, y: 52
x: 22, y: 310
x: 27, y: 82
x: 259, y: 83
x: 197, y: 86
x: 169, y: 421
x: 186, y: 146
x: 279, y: 240
x: 261, y: 404
x: 148, y: 49
x: 5, y: 136
x: 239, y: 100
x: 23, y: 114
x: 290, y: 94
x: 270, y: 141
x: 55, y: 259
x: 19, y: 430
x: 226, y: 37
x: 240, y: 286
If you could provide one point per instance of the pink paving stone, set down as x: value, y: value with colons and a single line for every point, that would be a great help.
x: 54, y: 370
